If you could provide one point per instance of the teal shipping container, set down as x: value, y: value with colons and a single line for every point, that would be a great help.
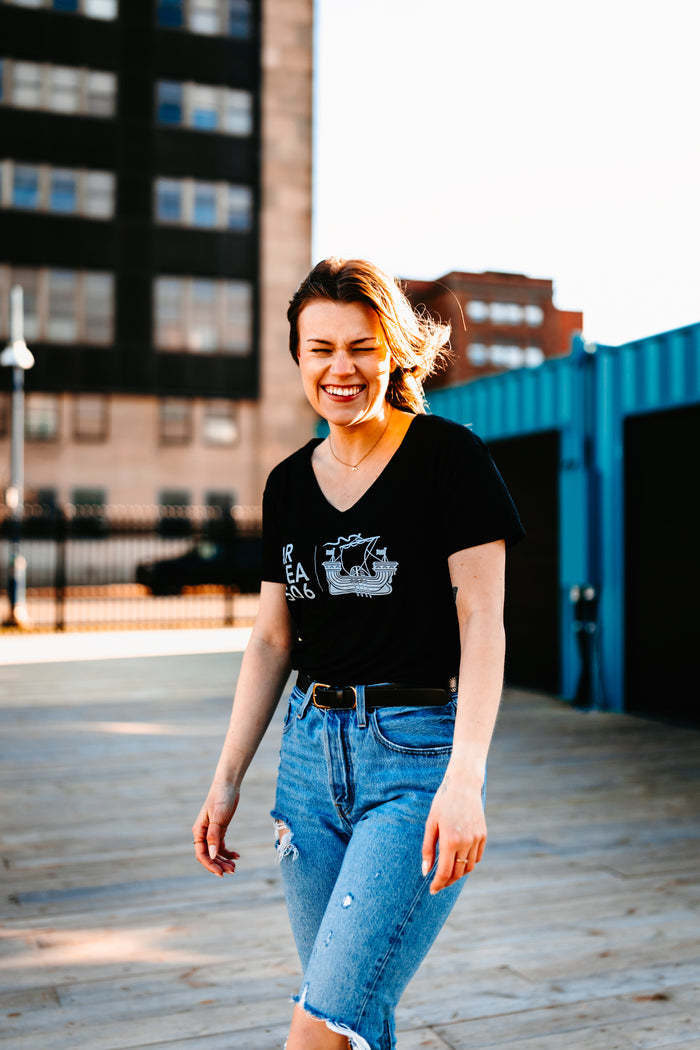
x: 600, y: 450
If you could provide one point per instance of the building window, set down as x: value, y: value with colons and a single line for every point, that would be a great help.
x: 205, y: 17
x: 176, y: 498
x: 64, y: 89
x: 534, y: 356
x: 239, y: 316
x: 240, y: 18
x: 41, y: 417
x: 61, y: 306
x: 204, y: 326
x: 169, y: 96
x: 46, y: 498
x: 174, y: 422
x: 220, y: 523
x: 98, y: 308
x: 60, y: 89
x: 204, y: 205
x: 534, y: 315
x: 174, y: 512
x: 220, y: 425
x: 103, y: 9
x: 506, y: 313
x: 505, y: 356
x: 170, y: 314
x: 90, y: 418
x: 238, y: 112
x: 25, y: 186
x: 208, y: 205
x: 169, y: 13
x: 478, y: 311
x: 169, y: 200
x: 29, y: 282
x: 478, y: 354
x: 100, y: 93
x: 89, y: 497
x: 204, y: 107
x: 203, y: 316
x: 98, y: 194
x: 209, y: 17
x: 239, y: 208
x: 62, y: 322
x: 65, y: 191
x: 223, y: 501
x: 26, y: 85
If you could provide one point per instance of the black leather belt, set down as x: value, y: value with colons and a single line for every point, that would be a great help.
x: 331, y: 697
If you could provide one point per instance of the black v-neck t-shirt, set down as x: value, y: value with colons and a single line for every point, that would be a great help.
x: 368, y: 588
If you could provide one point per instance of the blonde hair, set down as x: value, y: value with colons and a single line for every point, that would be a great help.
x: 419, y: 345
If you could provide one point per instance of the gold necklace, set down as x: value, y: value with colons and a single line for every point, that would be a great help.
x: 354, y: 466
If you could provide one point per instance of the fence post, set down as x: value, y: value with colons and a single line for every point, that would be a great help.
x: 60, y: 577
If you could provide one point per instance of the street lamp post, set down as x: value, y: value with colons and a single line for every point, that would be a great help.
x: 18, y: 357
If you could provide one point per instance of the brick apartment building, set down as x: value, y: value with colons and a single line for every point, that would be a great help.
x: 499, y: 321
x: 155, y: 205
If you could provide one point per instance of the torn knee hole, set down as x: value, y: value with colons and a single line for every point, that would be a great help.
x: 284, y: 845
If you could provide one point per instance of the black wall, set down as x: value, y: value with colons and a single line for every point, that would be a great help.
x: 530, y: 468
x: 662, y: 563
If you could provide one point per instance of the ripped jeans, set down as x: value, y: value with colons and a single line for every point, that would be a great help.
x: 353, y: 794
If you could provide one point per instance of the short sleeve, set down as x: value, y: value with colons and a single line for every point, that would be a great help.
x: 272, y: 552
x: 478, y: 506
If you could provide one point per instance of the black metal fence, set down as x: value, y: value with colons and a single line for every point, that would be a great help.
x: 131, y: 566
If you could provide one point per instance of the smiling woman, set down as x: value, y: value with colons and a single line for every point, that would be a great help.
x: 384, y: 744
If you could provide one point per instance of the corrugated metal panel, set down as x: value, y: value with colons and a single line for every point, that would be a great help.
x: 586, y: 397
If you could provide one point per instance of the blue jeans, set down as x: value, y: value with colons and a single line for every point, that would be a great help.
x: 353, y: 794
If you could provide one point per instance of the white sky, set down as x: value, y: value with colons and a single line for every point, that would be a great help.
x: 549, y: 137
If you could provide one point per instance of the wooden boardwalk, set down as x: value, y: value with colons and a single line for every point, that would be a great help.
x: 579, y: 931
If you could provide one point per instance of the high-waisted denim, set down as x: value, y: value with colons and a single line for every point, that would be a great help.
x: 353, y: 795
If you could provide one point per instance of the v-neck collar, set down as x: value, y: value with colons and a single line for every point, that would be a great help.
x: 361, y: 498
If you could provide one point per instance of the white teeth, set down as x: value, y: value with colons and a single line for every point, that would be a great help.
x: 343, y: 391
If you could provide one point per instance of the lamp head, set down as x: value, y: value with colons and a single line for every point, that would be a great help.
x: 17, y: 355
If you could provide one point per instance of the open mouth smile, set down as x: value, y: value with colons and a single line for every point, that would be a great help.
x: 343, y: 391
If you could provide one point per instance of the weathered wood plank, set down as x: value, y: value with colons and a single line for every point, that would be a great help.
x: 579, y: 923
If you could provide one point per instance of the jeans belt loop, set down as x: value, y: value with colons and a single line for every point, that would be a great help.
x: 308, y: 696
x: 360, y: 705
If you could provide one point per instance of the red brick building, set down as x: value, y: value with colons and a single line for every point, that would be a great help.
x: 499, y: 321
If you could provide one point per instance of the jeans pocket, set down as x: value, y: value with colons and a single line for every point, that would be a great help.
x: 415, y: 730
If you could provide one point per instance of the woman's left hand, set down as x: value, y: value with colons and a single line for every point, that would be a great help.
x: 456, y: 827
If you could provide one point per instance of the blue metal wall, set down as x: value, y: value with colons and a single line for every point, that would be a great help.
x: 587, y: 397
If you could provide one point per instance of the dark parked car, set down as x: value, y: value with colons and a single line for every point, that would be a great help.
x: 237, y: 565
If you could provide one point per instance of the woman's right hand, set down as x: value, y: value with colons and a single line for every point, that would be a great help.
x: 209, y: 831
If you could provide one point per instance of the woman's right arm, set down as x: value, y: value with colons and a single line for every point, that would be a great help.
x: 264, y: 671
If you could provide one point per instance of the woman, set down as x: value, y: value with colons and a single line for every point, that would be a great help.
x: 383, y: 576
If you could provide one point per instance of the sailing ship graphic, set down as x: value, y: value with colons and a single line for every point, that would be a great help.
x: 354, y: 565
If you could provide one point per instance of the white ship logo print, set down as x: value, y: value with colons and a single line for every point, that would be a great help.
x: 354, y: 566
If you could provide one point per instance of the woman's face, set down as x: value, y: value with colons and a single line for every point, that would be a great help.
x: 344, y: 360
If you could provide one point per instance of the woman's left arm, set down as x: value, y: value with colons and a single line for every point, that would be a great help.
x: 456, y: 821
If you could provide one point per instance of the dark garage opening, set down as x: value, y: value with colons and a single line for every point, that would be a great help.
x: 662, y: 563
x: 530, y: 468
